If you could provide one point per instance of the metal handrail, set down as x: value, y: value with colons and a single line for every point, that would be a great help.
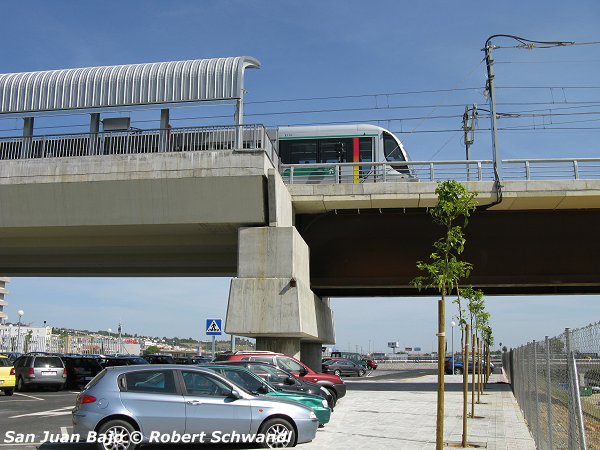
x: 218, y: 137
x: 434, y: 171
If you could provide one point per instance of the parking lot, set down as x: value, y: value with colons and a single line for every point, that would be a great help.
x: 393, y: 409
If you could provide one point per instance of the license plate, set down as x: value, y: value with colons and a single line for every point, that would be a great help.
x: 48, y: 373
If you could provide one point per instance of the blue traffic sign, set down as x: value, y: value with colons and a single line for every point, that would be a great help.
x: 214, y: 327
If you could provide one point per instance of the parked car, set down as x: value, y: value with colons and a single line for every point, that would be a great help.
x: 459, y: 366
x: 258, y: 386
x: 159, y: 359
x: 192, y: 359
x: 372, y: 364
x: 197, y: 400
x: 110, y: 361
x: 332, y: 383
x: 80, y: 370
x: 7, y: 376
x: 285, y: 381
x: 12, y: 356
x: 342, y: 366
x: 40, y: 369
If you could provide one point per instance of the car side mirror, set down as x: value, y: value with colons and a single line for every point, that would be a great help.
x: 290, y: 381
x: 235, y: 394
x: 303, y: 371
x: 262, y: 390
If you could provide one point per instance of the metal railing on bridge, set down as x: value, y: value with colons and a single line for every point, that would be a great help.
x: 434, y: 171
x: 134, y: 141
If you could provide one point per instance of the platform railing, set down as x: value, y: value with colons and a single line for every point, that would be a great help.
x: 133, y: 141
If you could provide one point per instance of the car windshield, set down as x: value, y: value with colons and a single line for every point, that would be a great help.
x: 247, y: 381
x: 270, y: 373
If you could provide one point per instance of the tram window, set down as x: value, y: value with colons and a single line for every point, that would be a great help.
x: 391, y: 148
x: 365, y: 148
x: 330, y: 150
x: 298, y: 152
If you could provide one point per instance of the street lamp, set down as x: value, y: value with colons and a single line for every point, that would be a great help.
x: 20, y: 313
x: 453, y: 323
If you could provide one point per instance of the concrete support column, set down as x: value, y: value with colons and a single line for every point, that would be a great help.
x: 26, y: 150
x: 163, y: 143
x: 94, y: 130
x: 290, y: 346
x: 271, y: 299
x: 311, y: 354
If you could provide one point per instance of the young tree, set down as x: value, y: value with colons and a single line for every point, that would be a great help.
x: 444, y: 270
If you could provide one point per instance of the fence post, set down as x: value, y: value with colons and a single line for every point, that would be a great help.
x: 571, y: 406
x: 577, y: 403
x: 549, y: 393
x: 537, y: 399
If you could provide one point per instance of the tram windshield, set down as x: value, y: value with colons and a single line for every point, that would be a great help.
x: 391, y: 148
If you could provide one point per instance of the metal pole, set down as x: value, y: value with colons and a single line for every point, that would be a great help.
x: 232, y: 343
x: 536, y: 391
x: 213, y: 346
x: 549, y: 393
x: 489, y: 60
x: 570, y: 382
x: 578, y: 409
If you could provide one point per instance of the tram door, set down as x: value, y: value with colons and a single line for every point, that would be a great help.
x: 345, y: 151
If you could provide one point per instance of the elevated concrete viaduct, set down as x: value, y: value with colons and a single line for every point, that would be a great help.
x: 207, y: 213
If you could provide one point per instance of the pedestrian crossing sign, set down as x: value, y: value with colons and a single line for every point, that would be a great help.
x: 214, y: 327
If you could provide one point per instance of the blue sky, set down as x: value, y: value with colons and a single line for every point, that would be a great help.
x: 373, y: 61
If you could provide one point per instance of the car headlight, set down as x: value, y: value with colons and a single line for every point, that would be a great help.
x: 324, y: 403
x: 312, y: 415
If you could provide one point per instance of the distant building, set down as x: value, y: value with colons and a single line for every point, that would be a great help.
x: 3, y: 303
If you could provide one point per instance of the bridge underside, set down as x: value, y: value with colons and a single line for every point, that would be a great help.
x: 131, y: 250
x: 373, y: 253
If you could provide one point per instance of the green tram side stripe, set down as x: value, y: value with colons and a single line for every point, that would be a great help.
x: 287, y: 138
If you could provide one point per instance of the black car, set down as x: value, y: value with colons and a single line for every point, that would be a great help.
x: 110, y: 361
x: 159, y: 359
x: 283, y: 380
x: 80, y: 370
x: 342, y: 366
x: 192, y: 360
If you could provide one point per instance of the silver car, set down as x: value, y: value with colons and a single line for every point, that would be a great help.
x: 40, y: 369
x: 177, y: 404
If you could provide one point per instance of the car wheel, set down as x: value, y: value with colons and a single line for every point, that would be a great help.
x: 20, y: 384
x: 58, y: 388
x: 278, y: 433
x: 337, y: 372
x: 458, y: 371
x: 117, y: 436
x: 9, y: 391
x: 361, y: 373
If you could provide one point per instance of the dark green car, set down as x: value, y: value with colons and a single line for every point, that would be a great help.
x: 256, y: 385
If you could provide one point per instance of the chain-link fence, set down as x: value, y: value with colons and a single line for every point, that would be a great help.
x: 557, y: 385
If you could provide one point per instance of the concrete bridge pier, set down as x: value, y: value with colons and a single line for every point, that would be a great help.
x: 271, y: 299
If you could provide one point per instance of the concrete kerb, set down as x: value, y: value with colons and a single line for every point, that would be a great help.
x: 400, y: 414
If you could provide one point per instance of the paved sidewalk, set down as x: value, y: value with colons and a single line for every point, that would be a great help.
x: 401, y: 414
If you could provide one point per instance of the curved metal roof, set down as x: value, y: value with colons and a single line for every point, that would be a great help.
x: 126, y: 85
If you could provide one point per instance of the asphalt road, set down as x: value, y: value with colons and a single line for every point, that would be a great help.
x: 35, y: 416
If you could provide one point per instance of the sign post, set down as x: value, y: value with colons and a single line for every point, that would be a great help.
x: 214, y: 328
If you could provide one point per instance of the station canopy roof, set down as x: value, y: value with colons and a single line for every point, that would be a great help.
x: 125, y: 85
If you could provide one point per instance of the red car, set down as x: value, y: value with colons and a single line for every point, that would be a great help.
x: 332, y: 383
x: 372, y: 364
